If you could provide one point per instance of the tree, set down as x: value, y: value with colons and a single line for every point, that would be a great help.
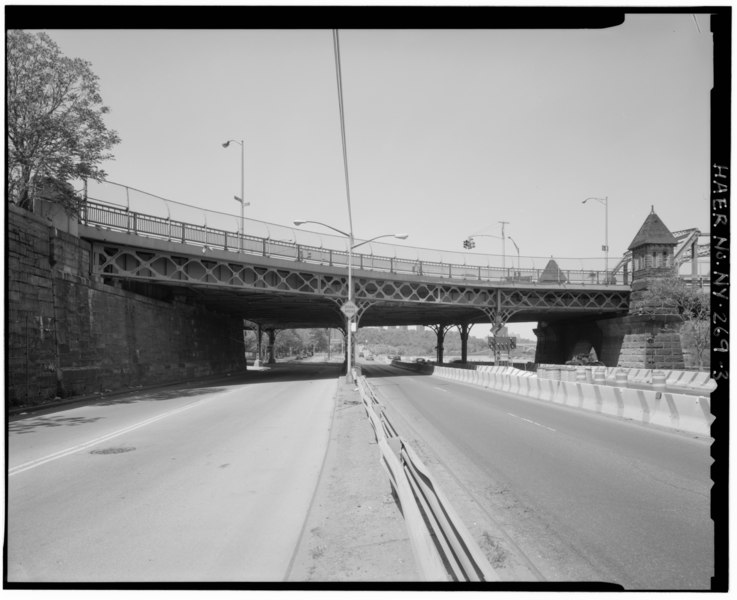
x: 672, y: 295
x: 54, y: 118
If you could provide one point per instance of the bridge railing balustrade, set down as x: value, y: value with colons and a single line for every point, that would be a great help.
x: 405, y: 261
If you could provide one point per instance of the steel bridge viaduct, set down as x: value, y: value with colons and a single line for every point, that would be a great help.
x: 281, y: 285
x: 277, y: 284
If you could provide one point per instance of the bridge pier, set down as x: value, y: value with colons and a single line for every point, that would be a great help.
x: 259, y: 334
x: 464, y: 329
x: 270, y: 348
x: 648, y: 337
x: 633, y: 341
x: 440, y: 331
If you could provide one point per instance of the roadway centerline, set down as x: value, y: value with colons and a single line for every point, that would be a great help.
x: 529, y: 421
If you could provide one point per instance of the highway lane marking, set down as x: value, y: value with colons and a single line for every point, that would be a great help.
x: 442, y: 389
x: 32, y: 464
x: 529, y: 421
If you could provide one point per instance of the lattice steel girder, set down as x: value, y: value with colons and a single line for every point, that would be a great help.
x: 574, y: 299
x: 111, y: 260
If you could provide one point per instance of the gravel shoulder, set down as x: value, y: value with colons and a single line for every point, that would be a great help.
x: 354, y: 531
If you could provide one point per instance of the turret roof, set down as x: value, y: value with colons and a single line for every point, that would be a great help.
x: 552, y: 273
x: 653, y: 231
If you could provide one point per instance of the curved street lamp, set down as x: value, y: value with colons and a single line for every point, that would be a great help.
x: 605, y: 202
x: 351, y: 246
x: 516, y: 247
x: 468, y: 242
x: 242, y: 196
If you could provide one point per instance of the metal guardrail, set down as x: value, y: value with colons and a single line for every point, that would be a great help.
x: 406, y: 260
x: 443, y: 547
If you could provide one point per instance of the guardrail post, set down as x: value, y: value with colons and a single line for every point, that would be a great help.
x: 263, y: 246
x: 391, y: 265
x: 330, y: 257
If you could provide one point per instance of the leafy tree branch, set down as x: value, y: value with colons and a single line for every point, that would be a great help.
x: 55, y: 124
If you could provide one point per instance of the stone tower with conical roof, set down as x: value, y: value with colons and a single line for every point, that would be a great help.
x: 651, y: 338
x: 652, y: 258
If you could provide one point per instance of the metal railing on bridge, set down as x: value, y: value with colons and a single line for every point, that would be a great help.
x: 282, y: 242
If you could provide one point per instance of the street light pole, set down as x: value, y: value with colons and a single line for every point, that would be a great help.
x: 504, y: 246
x: 349, y: 319
x: 351, y: 246
x: 242, y: 198
x: 516, y: 248
x: 605, y: 202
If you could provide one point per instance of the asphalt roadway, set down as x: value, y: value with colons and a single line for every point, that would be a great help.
x: 210, y: 482
x: 558, y: 494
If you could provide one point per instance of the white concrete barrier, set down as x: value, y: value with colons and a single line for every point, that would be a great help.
x: 663, y: 411
x: 652, y: 405
x: 548, y: 388
x: 589, y: 400
x: 692, y: 413
x: 634, y: 405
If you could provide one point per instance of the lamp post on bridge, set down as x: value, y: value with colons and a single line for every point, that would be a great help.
x: 504, y: 245
x: 242, y: 198
x: 349, y: 309
x: 516, y: 247
x: 605, y: 202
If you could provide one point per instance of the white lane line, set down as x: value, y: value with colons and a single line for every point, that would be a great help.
x: 62, y: 453
x: 442, y: 389
x: 533, y: 422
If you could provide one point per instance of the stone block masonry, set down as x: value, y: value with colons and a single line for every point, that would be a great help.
x: 69, y: 335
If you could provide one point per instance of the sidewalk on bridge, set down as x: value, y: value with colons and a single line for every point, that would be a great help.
x: 354, y: 530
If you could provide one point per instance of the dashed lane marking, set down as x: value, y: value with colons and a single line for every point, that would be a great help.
x: 529, y: 421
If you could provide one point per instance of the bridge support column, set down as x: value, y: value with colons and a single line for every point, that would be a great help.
x: 643, y: 342
x: 440, y: 331
x: 257, y: 360
x: 634, y: 341
x: 271, y: 347
x: 464, y: 329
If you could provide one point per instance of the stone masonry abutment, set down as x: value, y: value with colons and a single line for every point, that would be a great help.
x: 69, y: 335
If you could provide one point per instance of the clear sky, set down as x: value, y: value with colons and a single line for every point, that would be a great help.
x: 448, y: 131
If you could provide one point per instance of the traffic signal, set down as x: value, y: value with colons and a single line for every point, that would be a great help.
x: 469, y: 243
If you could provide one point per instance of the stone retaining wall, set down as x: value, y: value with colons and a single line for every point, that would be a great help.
x: 68, y: 334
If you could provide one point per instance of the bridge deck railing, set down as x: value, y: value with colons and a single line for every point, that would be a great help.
x: 122, y: 219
